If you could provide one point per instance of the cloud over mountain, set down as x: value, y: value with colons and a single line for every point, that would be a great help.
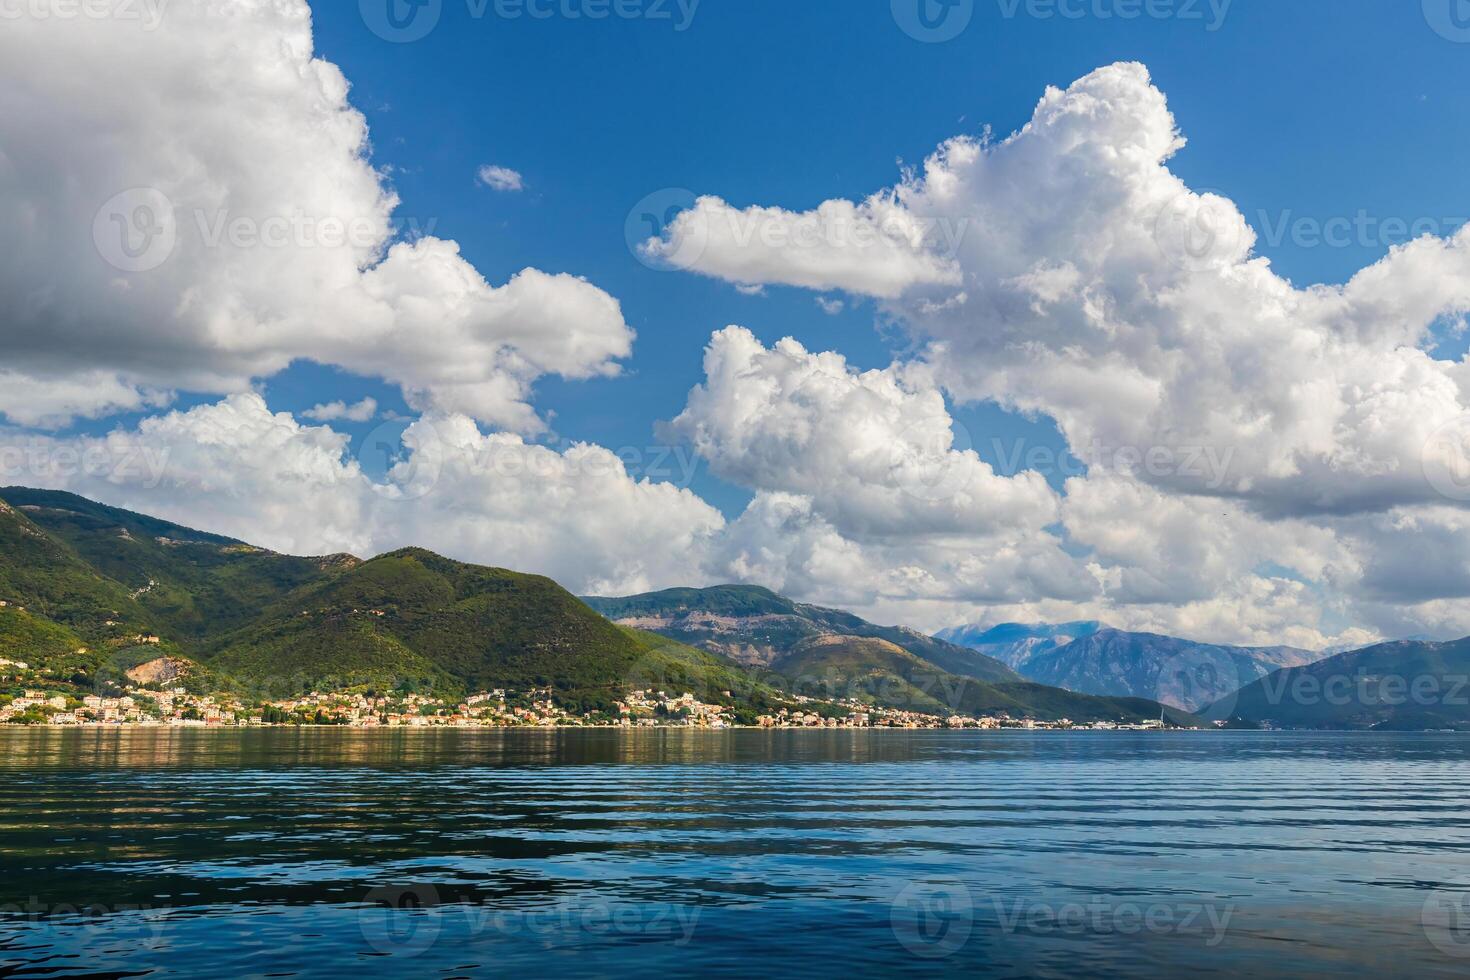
x: 1254, y: 448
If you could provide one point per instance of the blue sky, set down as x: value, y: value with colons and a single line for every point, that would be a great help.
x: 1300, y: 112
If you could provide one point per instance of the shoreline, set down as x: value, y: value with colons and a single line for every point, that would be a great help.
x: 627, y: 729
x: 9, y: 726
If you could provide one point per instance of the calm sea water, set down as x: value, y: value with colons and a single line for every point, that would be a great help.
x: 317, y: 853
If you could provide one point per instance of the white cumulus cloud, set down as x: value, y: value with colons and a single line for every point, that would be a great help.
x: 236, y: 468
x: 500, y: 178
x: 362, y: 411
x: 1263, y: 457
x: 204, y: 211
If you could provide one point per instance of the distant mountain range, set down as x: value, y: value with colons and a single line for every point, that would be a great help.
x: 1408, y: 685
x: 90, y: 593
x: 758, y: 628
x: 1015, y: 643
x: 816, y: 650
x: 1092, y: 659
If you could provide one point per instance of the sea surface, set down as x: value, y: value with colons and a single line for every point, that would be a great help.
x: 539, y: 854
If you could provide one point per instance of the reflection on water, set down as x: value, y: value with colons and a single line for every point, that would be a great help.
x: 593, y: 853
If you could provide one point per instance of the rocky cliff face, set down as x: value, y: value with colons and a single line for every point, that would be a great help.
x: 159, y: 672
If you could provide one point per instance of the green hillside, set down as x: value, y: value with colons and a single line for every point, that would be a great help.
x: 126, y: 588
x: 413, y: 615
x: 47, y: 576
x: 187, y: 583
x: 91, y: 592
x: 873, y: 671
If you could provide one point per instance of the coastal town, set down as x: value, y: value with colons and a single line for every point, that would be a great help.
x: 179, y: 708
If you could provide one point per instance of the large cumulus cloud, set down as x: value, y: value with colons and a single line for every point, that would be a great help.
x: 1095, y: 287
x: 875, y: 448
x: 1262, y: 456
x: 190, y: 204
